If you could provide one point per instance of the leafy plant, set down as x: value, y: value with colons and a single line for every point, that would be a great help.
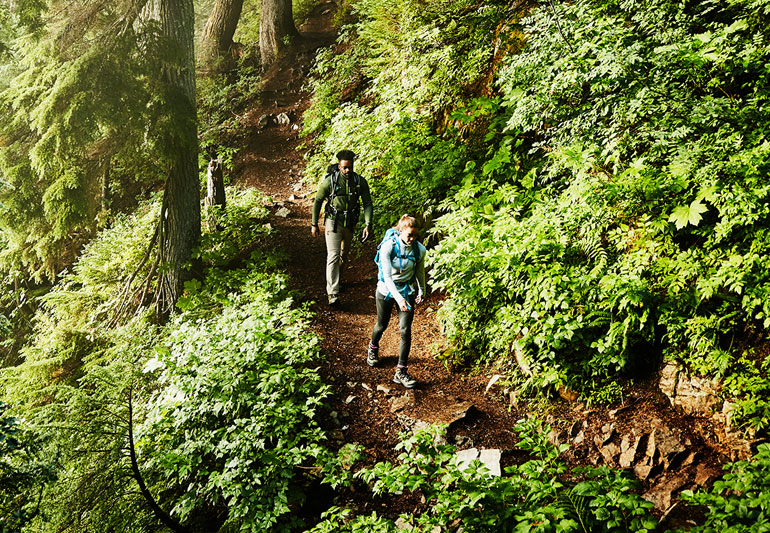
x: 739, y: 501
x: 532, y: 496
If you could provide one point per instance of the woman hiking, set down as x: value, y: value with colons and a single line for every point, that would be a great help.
x: 401, y: 265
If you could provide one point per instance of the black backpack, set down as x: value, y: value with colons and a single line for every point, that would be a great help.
x: 353, y: 194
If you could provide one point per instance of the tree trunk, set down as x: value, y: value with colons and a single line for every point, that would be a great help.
x: 217, y: 39
x: 215, y: 195
x: 276, y: 22
x: 180, y: 222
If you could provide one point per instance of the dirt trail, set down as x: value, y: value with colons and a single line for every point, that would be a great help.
x: 273, y: 164
x: 367, y: 414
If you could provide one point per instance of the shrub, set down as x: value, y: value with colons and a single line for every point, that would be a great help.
x: 532, y: 496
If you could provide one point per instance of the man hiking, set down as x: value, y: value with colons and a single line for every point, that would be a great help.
x: 344, y: 192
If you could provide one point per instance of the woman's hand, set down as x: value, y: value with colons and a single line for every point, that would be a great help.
x: 404, y: 306
x: 418, y: 300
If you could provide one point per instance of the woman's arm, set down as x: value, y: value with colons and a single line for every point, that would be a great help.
x: 420, y: 272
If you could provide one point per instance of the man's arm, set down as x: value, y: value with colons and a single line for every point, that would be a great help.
x: 320, y: 196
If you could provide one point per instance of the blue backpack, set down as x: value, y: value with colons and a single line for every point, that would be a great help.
x: 393, y: 235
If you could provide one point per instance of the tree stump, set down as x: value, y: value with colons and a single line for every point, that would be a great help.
x: 215, y: 194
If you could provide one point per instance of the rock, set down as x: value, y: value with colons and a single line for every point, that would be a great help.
x: 466, y: 457
x: 283, y: 212
x: 297, y: 187
x: 557, y: 437
x: 667, y: 444
x: 365, y: 386
x: 385, y: 389
x: 567, y: 394
x: 608, y: 432
x: 264, y: 121
x: 463, y: 441
x: 660, y: 495
x: 580, y: 437
x: 399, y: 404
x: 456, y: 412
x: 282, y: 119
x: 642, y: 471
x: 695, y: 395
x: 690, y: 459
x: 575, y: 428
x: 610, y: 453
x: 295, y: 127
x: 491, y: 459
x: 350, y: 399
x: 628, y: 451
x: 292, y: 198
x: 667, y: 380
x: 521, y: 360
x: 402, y: 523
x: 492, y: 382
x: 413, y: 424
x: 704, y: 475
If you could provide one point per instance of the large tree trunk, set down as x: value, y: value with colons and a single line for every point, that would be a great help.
x: 276, y: 22
x: 180, y: 223
x: 217, y: 39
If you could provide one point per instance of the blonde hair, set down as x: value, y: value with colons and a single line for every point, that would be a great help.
x: 406, y: 221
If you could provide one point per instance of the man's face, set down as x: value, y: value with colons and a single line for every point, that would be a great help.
x: 346, y: 167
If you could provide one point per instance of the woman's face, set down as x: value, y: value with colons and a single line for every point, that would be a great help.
x: 408, y: 235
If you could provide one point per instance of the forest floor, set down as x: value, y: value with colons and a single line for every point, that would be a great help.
x: 370, y: 409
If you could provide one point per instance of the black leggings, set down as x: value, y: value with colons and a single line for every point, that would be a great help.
x: 384, y: 310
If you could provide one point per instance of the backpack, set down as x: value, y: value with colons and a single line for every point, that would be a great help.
x: 392, y: 234
x: 353, y: 194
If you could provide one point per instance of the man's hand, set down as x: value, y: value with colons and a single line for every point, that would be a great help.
x: 365, y: 234
x: 314, y: 230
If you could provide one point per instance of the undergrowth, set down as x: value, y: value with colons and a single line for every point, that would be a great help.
x: 596, y: 188
x: 223, y: 401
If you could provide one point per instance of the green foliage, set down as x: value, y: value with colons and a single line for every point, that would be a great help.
x: 22, y: 474
x: 86, y: 125
x: 739, y: 502
x: 222, y: 100
x: 400, y: 65
x: 622, y: 208
x: 532, y: 496
x: 225, y: 397
x: 234, y: 418
x: 242, y: 227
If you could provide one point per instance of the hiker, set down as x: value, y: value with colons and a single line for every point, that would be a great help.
x: 401, y: 281
x: 344, y: 191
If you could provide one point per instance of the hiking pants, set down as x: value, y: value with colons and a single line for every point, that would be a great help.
x: 336, y: 245
x: 384, y: 310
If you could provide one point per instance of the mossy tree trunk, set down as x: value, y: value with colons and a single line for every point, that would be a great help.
x: 275, y: 24
x: 180, y: 222
x: 217, y: 39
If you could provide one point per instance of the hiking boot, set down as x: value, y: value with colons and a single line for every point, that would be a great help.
x: 402, y: 378
x: 371, y: 356
x: 334, y: 299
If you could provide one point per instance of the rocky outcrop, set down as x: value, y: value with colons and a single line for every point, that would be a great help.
x: 699, y: 397
x: 694, y: 395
